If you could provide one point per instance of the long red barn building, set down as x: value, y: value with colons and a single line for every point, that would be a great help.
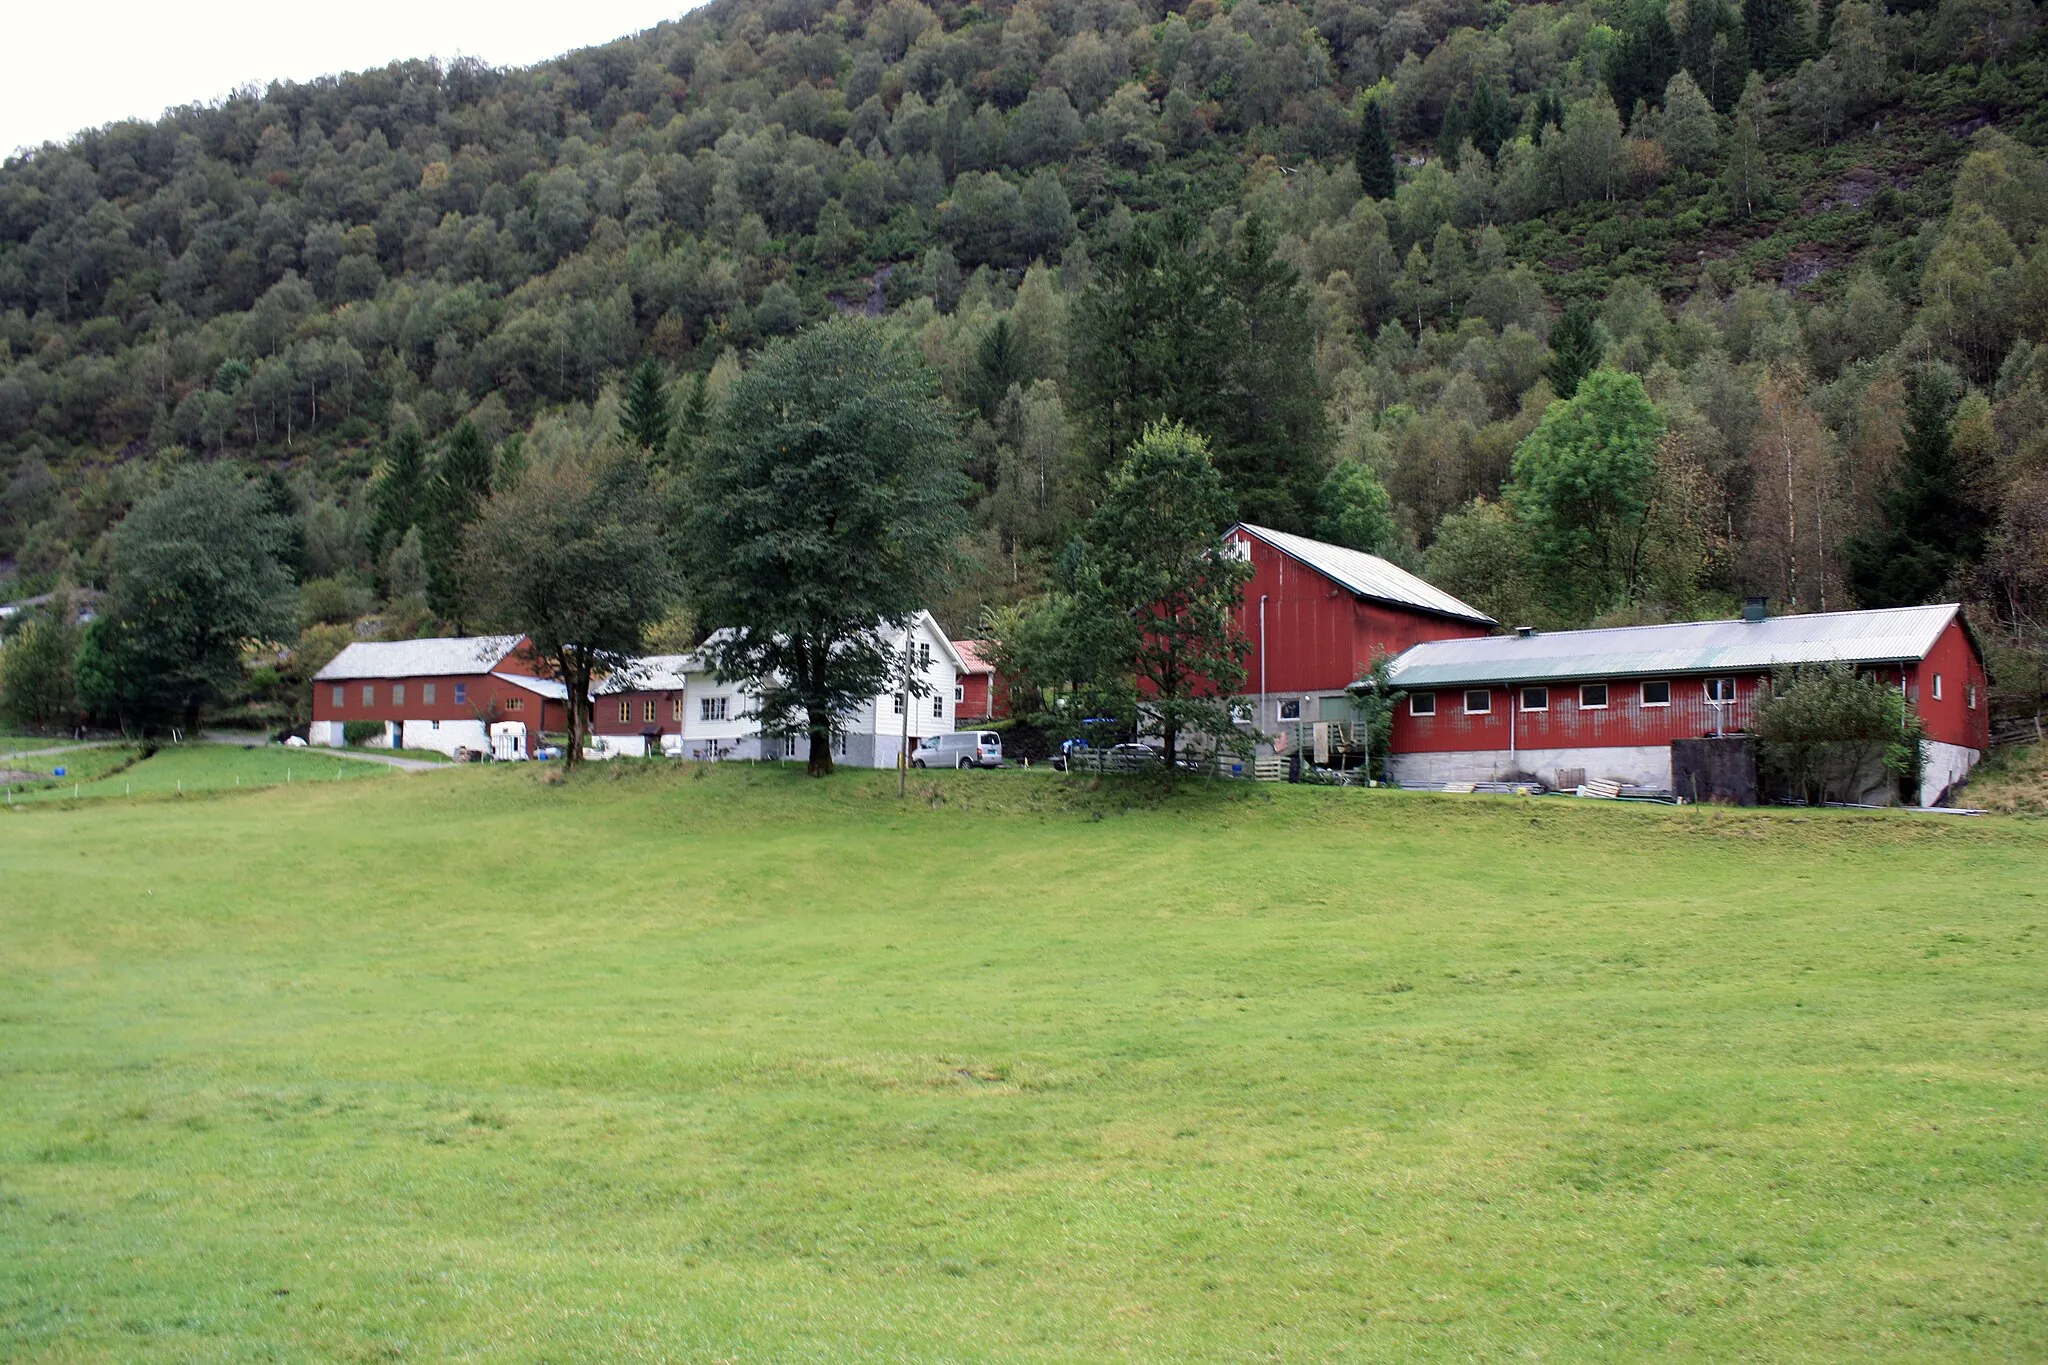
x: 1317, y: 615
x: 1607, y: 704
x: 446, y: 694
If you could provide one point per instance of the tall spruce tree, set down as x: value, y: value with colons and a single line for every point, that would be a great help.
x: 1491, y: 119
x: 461, y: 486
x: 1375, y: 154
x: 1451, y: 134
x: 1932, y: 528
x: 645, y: 415
x: 1576, y: 345
x: 401, y: 497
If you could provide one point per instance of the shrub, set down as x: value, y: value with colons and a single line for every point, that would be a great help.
x: 354, y: 732
x: 1826, y: 732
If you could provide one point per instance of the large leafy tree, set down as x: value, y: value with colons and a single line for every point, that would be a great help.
x: 575, y: 556
x: 36, y: 679
x: 1152, y: 593
x: 197, y: 573
x: 823, y: 516
x: 1583, y: 485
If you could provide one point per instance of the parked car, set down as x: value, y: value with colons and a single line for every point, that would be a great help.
x: 961, y: 749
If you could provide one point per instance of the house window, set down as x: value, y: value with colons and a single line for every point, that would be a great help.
x: 839, y: 743
x: 938, y: 707
x: 959, y: 693
x: 339, y: 693
x: 898, y: 701
x: 462, y: 694
x: 713, y: 708
x: 924, y: 657
x: 647, y: 713
x: 1656, y: 694
x: 1290, y: 710
x: 398, y: 694
x: 625, y: 712
x: 1970, y: 696
x: 433, y: 724
x: 1535, y: 699
x: 1593, y: 697
x: 1479, y: 701
x: 369, y: 694
x: 1422, y: 703
x: 515, y: 703
x: 677, y: 708
x: 1937, y: 687
x: 789, y: 746
x: 1720, y: 691
x: 427, y: 693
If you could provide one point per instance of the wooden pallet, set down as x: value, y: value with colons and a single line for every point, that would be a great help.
x: 1270, y: 769
x: 1600, y: 787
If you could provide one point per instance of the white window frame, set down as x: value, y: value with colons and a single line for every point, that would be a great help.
x: 398, y: 692
x: 426, y: 694
x: 1485, y: 692
x: 1643, y: 696
x: 340, y: 697
x: 1294, y: 702
x: 1600, y: 705
x: 462, y: 694
x: 1709, y: 685
x: 369, y: 694
x: 1970, y: 695
x: 713, y: 710
x: 896, y: 703
x: 959, y: 694
x: 924, y: 656
x: 1415, y: 710
x: 1522, y: 698
x: 1937, y: 687
x: 938, y: 706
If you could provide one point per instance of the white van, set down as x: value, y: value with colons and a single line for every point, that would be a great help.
x: 961, y: 749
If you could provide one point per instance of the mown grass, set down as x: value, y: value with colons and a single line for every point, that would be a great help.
x: 664, y: 1064
x: 191, y: 769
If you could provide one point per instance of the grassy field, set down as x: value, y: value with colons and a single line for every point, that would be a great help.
x: 190, y: 769
x: 652, y: 1065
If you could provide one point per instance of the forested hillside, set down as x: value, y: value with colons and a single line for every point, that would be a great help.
x: 1599, y: 311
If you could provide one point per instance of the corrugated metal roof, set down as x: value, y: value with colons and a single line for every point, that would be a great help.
x: 551, y: 688
x: 1368, y: 575
x: 418, y: 658
x: 1862, y: 637
x: 653, y: 673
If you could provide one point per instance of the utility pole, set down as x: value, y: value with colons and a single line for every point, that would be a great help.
x: 903, y: 754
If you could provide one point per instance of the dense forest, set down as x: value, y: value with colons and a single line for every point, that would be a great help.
x: 1606, y: 311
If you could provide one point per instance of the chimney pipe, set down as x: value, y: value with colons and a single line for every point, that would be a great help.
x: 1756, y: 609
x: 1524, y: 632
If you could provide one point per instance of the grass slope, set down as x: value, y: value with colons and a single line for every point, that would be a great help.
x: 482, y: 1065
x: 191, y: 768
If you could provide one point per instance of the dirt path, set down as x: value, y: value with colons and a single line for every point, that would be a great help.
x: 403, y: 764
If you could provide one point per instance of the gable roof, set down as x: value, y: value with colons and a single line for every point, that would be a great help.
x: 552, y: 688
x: 972, y: 659
x: 652, y: 673
x: 1896, y: 635
x: 433, y: 658
x: 1368, y: 576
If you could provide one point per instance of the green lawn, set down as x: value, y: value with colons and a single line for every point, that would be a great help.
x: 192, y: 769
x: 650, y: 1065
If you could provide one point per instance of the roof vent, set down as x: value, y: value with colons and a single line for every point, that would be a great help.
x: 1524, y: 632
x: 1756, y: 608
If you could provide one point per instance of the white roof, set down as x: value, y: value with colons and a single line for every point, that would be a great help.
x: 923, y: 621
x: 652, y: 673
x: 1895, y: 635
x: 551, y: 688
x: 436, y: 658
x: 1367, y: 575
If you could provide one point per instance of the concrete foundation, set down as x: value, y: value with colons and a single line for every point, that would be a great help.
x: 1941, y: 767
x: 445, y: 736
x: 1647, y: 765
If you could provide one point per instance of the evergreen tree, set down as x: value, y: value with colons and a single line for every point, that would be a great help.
x: 1932, y: 528
x: 401, y: 496
x: 1272, y: 438
x: 1451, y: 134
x: 1645, y: 59
x: 1375, y: 155
x: 461, y: 486
x: 999, y: 362
x: 1576, y: 343
x: 1491, y: 119
x: 692, y: 425
x: 645, y: 415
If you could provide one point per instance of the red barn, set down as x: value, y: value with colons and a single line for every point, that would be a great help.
x: 977, y: 696
x: 445, y: 694
x: 1607, y: 704
x: 1317, y: 615
x: 633, y: 712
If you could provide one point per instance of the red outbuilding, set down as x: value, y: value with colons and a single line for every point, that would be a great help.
x: 634, y: 711
x: 979, y: 695
x: 479, y: 693
x: 1317, y: 615
x: 1568, y: 706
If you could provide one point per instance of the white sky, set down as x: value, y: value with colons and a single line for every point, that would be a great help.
x: 79, y: 65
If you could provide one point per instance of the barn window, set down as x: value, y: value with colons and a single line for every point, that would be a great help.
x: 959, y: 693
x: 1422, y: 703
x: 369, y: 694
x: 339, y: 692
x: 1478, y: 701
x: 427, y: 693
x: 1970, y: 696
x: 1290, y: 710
x: 515, y: 703
x: 1937, y: 687
x: 1535, y: 699
x: 647, y: 711
x: 461, y: 694
x: 713, y: 708
x: 398, y: 692
x: 676, y: 709
x: 1656, y: 694
x: 1720, y: 691
x: 1593, y: 696
x: 625, y: 712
